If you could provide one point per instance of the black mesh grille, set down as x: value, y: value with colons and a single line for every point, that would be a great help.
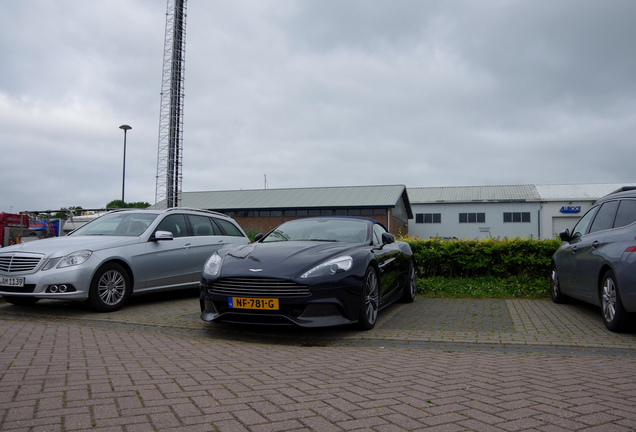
x: 258, y: 287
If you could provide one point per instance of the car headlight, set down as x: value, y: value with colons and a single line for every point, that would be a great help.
x: 212, y: 266
x: 75, y: 258
x: 72, y: 259
x: 331, y: 267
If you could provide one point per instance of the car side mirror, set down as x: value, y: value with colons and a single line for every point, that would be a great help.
x: 565, y: 235
x: 258, y: 236
x: 387, y: 238
x: 161, y: 235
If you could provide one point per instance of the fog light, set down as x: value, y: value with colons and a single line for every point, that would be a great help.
x: 60, y: 289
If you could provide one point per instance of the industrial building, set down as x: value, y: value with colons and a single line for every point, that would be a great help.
x: 539, y: 211
x: 263, y: 209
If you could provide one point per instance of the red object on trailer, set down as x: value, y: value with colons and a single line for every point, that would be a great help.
x: 12, y: 227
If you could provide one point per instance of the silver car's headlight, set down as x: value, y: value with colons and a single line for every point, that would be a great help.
x: 75, y: 258
x: 212, y: 266
x: 72, y: 259
x: 331, y: 267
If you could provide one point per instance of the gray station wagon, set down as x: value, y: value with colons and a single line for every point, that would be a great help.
x: 116, y: 255
x: 597, y: 261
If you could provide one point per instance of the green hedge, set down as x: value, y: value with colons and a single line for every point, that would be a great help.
x: 502, y: 258
x: 487, y: 268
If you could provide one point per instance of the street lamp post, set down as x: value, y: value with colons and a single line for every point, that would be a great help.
x: 125, y: 128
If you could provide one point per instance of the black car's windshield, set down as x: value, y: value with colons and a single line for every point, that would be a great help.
x: 322, y: 230
x: 117, y: 224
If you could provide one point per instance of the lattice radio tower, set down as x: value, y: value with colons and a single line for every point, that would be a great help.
x: 170, y: 153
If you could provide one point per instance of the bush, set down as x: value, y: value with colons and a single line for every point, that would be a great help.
x: 494, y: 268
x: 485, y: 257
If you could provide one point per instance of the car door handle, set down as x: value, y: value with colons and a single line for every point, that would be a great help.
x: 187, y: 245
x: 573, y: 249
x: 595, y: 244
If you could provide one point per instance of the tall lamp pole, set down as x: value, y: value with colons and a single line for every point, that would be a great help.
x: 125, y: 128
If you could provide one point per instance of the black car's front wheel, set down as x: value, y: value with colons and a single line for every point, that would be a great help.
x: 109, y: 289
x: 370, y: 300
x: 614, y: 314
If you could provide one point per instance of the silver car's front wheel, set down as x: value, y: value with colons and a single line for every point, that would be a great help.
x: 110, y: 288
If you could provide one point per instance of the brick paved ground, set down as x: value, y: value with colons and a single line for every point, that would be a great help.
x: 512, y: 365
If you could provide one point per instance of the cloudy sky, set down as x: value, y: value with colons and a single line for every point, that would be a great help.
x: 312, y: 93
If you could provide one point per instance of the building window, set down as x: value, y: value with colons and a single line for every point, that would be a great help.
x: 428, y: 218
x: 472, y: 217
x: 515, y: 217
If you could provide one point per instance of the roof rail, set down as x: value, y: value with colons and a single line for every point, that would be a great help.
x: 623, y: 189
x: 196, y: 209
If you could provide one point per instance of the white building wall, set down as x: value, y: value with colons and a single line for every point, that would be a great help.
x: 494, y: 226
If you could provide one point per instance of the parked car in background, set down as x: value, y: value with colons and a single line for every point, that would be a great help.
x: 116, y: 255
x: 311, y: 272
x: 597, y: 261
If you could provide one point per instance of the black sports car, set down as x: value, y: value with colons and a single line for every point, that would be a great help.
x: 313, y: 272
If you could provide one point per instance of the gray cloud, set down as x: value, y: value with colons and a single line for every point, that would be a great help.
x: 316, y: 93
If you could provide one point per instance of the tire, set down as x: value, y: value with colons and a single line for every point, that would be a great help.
x: 110, y: 288
x: 408, y: 292
x: 370, y: 300
x: 614, y: 314
x: 21, y: 301
x: 555, y: 287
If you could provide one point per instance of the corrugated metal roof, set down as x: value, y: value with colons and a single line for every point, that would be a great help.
x: 473, y: 193
x: 554, y: 192
x: 590, y: 191
x: 345, y: 196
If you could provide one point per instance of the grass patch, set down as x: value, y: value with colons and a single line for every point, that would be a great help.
x: 484, y: 287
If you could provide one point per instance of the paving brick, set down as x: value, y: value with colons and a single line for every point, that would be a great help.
x: 129, y: 371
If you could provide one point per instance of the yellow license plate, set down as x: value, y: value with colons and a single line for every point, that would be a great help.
x: 252, y: 303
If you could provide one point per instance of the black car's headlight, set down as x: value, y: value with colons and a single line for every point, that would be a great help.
x: 212, y: 266
x: 331, y: 267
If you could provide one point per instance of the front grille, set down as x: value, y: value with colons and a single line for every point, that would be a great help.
x: 15, y: 263
x: 258, y: 287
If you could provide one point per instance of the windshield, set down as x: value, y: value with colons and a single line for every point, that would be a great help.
x: 131, y: 224
x: 327, y: 230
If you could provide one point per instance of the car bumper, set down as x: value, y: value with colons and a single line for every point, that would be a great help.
x: 325, y: 307
x: 48, y: 284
